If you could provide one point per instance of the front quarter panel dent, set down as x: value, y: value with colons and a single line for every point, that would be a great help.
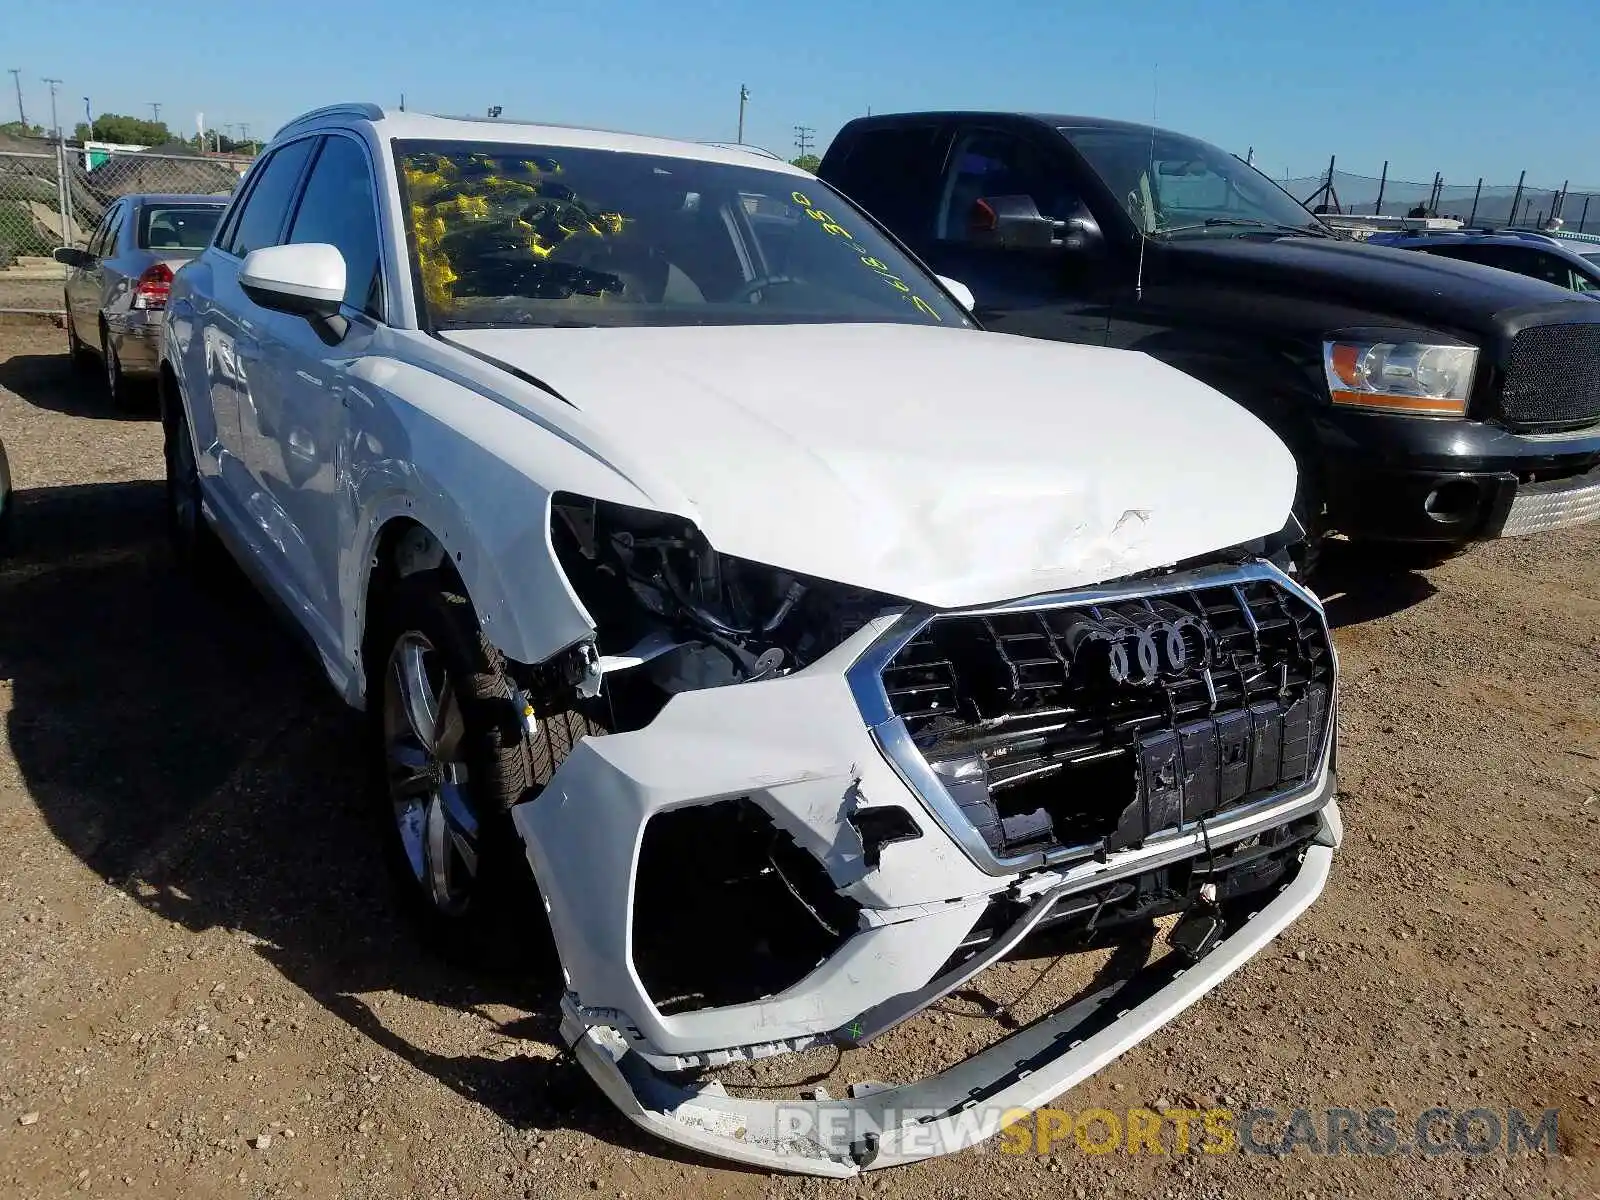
x: 478, y: 476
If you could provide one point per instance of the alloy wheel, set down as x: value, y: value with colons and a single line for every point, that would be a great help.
x: 424, y: 743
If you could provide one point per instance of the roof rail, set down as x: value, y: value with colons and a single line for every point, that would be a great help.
x: 746, y: 146
x: 354, y: 108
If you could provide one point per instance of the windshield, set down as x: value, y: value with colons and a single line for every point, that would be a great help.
x: 1174, y: 185
x: 530, y: 235
x: 177, y: 226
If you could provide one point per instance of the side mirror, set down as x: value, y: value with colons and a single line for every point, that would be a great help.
x: 72, y: 256
x: 1015, y: 223
x: 964, y: 296
x: 306, y: 280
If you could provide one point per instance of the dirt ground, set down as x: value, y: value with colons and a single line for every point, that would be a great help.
x: 204, y: 990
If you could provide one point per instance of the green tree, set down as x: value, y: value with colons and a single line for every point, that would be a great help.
x: 807, y: 162
x: 18, y: 129
x: 130, y: 131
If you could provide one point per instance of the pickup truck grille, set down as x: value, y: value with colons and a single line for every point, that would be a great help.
x: 1552, y: 379
x: 1100, y: 725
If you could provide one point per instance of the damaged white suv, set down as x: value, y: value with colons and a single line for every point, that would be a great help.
x: 686, y: 543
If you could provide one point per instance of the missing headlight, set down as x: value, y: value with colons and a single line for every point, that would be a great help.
x: 648, y: 576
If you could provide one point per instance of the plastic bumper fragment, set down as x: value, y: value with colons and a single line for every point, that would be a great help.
x: 881, y: 1126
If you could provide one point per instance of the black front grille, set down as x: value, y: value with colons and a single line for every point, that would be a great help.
x: 1104, y: 724
x: 1553, y: 377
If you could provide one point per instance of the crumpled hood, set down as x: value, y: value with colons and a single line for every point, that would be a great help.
x: 949, y: 467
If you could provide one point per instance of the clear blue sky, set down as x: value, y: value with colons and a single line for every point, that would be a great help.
x: 1466, y: 87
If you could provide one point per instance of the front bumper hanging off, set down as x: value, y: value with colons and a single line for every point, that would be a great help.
x: 881, y: 1126
x: 806, y: 753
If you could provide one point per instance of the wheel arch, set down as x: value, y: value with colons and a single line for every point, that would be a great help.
x: 522, y: 601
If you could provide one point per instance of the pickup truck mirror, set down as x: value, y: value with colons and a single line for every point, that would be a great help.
x: 1015, y: 223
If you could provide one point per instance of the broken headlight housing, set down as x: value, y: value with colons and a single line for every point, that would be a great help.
x: 658, y: 593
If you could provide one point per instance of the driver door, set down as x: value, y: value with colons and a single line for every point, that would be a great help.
x: 1059, y: 294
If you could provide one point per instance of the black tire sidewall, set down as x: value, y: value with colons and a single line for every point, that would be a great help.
x: 499, y: 926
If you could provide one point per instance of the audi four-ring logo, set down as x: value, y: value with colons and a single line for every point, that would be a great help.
x: 1137, y: 645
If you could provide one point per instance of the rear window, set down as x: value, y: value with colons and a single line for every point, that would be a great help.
x: 178, y: 226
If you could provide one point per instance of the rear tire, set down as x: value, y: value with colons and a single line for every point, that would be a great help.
x: 444, y: 784
x: 194, y: 545
x: 118, y: 389
x: 78, y: 354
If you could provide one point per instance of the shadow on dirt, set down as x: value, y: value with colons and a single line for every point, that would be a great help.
x: 186, y: 749
x: 52, y: 382
x: 1357, y: 585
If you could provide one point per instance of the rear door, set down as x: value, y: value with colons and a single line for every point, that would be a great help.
x: 892, y: 171
x: 84, y: 285
x: 1046, y: 293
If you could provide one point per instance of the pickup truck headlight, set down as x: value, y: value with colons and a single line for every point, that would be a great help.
x: 1401, y: 377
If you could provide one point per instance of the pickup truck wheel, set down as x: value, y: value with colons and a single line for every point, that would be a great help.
x: 451, y: 755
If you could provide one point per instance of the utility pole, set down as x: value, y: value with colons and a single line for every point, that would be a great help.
x: 155, y: 113
x: 16, y: 75
x: 55, y: 124
x: 88, y: 115
x: 244, y: 133
x: 744, y: 96
x: 802, y: 139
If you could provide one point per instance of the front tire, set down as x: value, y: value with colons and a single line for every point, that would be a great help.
x: 450, y: 755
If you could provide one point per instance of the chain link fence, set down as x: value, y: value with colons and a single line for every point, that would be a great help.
x: 1521, y: 205
x: 48, y: 198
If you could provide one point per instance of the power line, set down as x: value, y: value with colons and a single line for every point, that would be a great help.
x: 155, y: 113
x: 803, y: 138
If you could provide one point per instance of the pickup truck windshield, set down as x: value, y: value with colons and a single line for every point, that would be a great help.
x: 533, y: 235
x: 1176, y: 186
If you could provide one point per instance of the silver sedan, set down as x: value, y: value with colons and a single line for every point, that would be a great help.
x: 116, y: 291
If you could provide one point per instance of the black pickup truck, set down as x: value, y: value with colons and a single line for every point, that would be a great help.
x: 1429, y: 402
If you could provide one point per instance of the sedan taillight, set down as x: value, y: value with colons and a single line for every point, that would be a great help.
x: 153, y: 288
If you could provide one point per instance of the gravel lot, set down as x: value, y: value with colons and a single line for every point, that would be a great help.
x: 203, y: 990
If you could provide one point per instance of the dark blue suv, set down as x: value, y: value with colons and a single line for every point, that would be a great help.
x: 1524, y: 251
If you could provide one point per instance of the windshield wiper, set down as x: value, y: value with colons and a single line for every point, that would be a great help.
x: 1251, y: 223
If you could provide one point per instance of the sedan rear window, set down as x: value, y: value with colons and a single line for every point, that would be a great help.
x: 532, y: 235
x: 177, y: 226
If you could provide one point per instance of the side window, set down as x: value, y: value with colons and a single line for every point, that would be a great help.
x: 893, y: 173
x: 995, y: 163
x: 124, y: 221
x: 1548, y: 267
x: 97, y: 240
x: 338, y: 207
x: 260, y: 221
x: 1489, y: 256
